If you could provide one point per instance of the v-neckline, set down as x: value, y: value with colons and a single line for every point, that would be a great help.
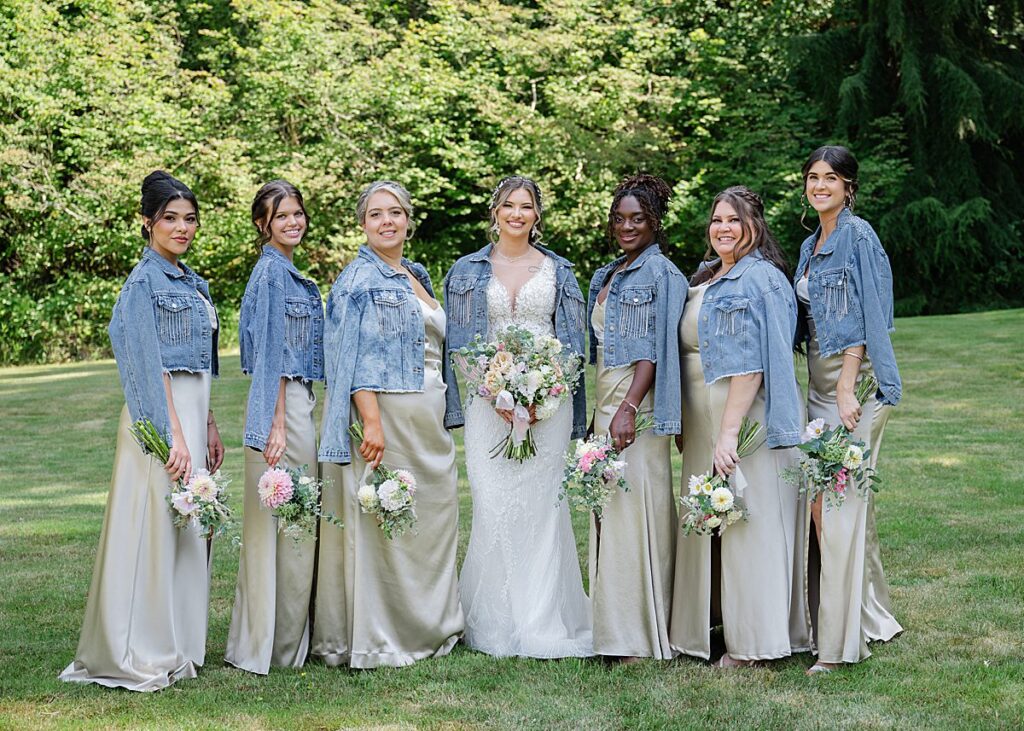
x: 513, y: 300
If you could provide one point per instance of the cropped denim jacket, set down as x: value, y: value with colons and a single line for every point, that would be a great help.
x: 465, y: 301
x: 373, y: 341
x: 850, y: 287
x: 281, y: 335
x: 642, y: 312
x: 746, y: 325
x: 160, y: 325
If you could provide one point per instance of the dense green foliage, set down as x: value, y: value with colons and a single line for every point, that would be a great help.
x: 448, y: 96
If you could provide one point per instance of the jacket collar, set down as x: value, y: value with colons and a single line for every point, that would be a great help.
x: 148, y: 254
x: 367, y: 253
x: 650, y: 251
x: 272, y: 253
x: 483, y: 254
x: 844, y: 219
x: 741, y: 266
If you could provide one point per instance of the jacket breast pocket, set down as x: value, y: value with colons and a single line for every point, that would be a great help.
x: 636, y: 312
x: 174, y: 318
x: 835, y: 287
x: 298, y: 323
x: 731, y: 316
x: 390, y: 306
x: 459, y: 305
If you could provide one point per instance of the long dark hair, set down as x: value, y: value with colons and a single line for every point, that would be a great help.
x: 750, y: 209
x: 264, y: 207
x: 652, y: 193
x: 159, y: 188
x: 845, y: 165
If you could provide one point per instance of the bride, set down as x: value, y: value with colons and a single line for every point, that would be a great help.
x: 521, y: 586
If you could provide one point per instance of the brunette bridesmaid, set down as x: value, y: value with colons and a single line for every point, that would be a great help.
x: 634, y: 309
x: 844, y: 285
x: 145, y: 618
x: 380, y: 601
x: 281, y: 339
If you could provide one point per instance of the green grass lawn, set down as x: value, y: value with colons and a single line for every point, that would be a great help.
x: 951, y: 519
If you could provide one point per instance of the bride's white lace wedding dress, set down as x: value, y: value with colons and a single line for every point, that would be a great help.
x: 521, y: 586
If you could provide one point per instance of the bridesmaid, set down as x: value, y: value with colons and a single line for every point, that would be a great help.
x: 281, y: 338
x: 737, y: 361
x: 145, y: 618
x: 380, y: 601
x: 634, y: 308
x: 844, y: 285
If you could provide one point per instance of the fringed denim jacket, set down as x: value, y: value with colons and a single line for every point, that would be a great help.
x: 746, y: 325
x: 281, y: 335
x: 465, y: 302
x: 642, y: 314
x: 373, y: 341
x: 160, y: 325
x: 850, y: 287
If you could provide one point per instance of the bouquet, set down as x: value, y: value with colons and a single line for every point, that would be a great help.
x: 294, y: 498
x: 832, y: 460
x: 390, y: 496
x: 594, y: 469
x: 711, y: 503
x: 199, y: 501
x: 524, y: 373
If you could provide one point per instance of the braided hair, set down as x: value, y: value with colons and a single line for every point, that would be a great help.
x: 750, y: 209
x: 652, y: 193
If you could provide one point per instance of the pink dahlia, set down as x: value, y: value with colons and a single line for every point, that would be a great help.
x: 275, y: 488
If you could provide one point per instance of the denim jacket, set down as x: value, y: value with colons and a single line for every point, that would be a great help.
x: 850, y: 286
x: 465, y: 300
x: 746, y: 325
x: 281, y: 335
x: 642, y: 313
x: 160, y: 325
x: 373, y: 341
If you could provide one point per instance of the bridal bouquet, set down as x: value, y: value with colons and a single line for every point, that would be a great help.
x: 711, y: 503
x: 199, y: 501
x: 594, y: 469
x: 294, y: 498
x: 390, y: 496
x: 832, y: 461
x: 526, y: 374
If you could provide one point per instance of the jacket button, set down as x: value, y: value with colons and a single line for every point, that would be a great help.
x: 705, y: 318
x: 705, y: 343
x: 635, y: 299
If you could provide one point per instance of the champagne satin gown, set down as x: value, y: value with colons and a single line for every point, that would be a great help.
x: 270, y: 618
x: 633, y: 554
x: 847, y: 592
x: 383, y: 602
x: 754, y: 569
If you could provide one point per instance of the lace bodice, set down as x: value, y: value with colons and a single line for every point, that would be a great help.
x: 534, y: 304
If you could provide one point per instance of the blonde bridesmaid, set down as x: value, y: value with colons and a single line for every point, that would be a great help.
x: 634, y: 309
x: 145, y: 617
x: 844, y: 284
x: 281, y: 338
x: 736, y: 336
x: 379, y: 601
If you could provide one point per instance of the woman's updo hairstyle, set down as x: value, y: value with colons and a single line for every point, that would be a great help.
x: 750, y: 209
x: 652, y: 193
x: 158, y: 189
x: 502, y: 191
x: 264, y: 207
x: 843, y: 162
x: 395, y: 189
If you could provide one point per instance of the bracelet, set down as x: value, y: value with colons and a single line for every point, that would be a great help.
x: 632, y: 406
x: 854, y: 355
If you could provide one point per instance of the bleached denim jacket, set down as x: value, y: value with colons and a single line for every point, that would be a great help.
x: 850, y: 287
x: 746, y: 325
x: 465, y: 302
x: 160, y: 325
x: 373, y: 341
x: 642, y: 312
x: 281, y: 334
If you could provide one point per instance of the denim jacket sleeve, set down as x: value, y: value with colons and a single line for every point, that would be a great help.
x: 671, y: 298
x: 341, y: 348
x: 874, y: 283
x: 453, y: 416
x: 268, y: 362
x: 133, y: 337
x: 782, y: 396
